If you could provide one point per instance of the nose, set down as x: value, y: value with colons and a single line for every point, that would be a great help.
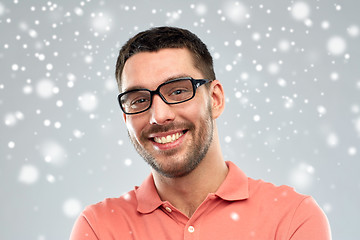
x: 161, y: 112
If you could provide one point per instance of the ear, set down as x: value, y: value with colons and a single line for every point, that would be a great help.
x: 217, y: 98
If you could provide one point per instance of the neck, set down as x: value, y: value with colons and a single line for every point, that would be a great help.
x: 188, y: 192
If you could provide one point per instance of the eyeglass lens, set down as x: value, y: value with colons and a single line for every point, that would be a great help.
x: 171, y: 92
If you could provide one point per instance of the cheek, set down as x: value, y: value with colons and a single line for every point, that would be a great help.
x: 133, y: 127
x: 195, y: 113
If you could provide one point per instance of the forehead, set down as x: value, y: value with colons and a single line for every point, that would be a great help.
x: 149, y: 69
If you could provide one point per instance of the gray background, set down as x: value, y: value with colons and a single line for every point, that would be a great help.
x: 290, y: 70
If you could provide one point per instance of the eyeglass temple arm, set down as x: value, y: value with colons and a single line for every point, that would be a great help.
x: 199, y: 82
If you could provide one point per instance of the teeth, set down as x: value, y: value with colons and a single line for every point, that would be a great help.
x: 168, y: 138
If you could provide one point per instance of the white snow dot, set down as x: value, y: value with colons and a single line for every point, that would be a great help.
x: 127, y: 196
x: 44, y: 88
x: 101, y: 23
x: 355, y: 109
x: 49, y: 66
x: 78, y: 11
x: 57, y: 125
x: 336, y: 45
x: 2, y: 9
x: 234, y: 216
x: 321, y: 110
x: 259, y: 67
x: 53, y: 153
x: 11, y: 144
x: 29, y: 174
x: 353, y: 31
x: 110, y: 84
x: 273, y: 68
x: 33, y: 33
x: 327, y: 207
x: 70, y: 84
x: 56, y: 90
x: 282, y: 82
x: 240, y: 134
x: 238, y: 94
x: 256, y: 36
x: 27, y: 89
x: 72, y: 207
x: 88, y: 59
x: 228, y: 67
x: 238, y: 43
x: 128, y: 162
x: 244, y: 76
x: 310, y: 169
x: 288, y: 103
x: 41, y: 57
x: 50, y: 178
x: 88, y: 102
x: 59, y: 103
x: 300, y: 11
x: 47, y: 122
x: 78, y: 134
x: 325, y: 25
x: 71, y: 77
x: 236, y: 12
x: 227, y: 139
x: 352, y: 151
x: 302, y: 176
x: 201, y: 9
x: 332, y: 140
x: 11, y: 119
x: 284, y: 45
x: 19, y: 115
x: 256, y: 118
x: 15, y: 67
x: 334, y: 76
x: 308, y: 22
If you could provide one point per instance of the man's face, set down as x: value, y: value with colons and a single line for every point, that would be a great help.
x: 173, y: 139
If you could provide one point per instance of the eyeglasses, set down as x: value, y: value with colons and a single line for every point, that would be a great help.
x: 171, y: 92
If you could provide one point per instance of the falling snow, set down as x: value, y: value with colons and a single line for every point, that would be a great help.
x: 289, y: 71
x: 300, y: 10
x: 72, y: 207
x: 29, y: 174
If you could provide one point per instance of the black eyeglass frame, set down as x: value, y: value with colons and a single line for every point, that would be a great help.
x: 195, y: 84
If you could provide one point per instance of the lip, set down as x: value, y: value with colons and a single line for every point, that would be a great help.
x: 167, y: 146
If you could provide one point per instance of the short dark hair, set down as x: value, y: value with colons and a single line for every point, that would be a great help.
x: 158, y: 38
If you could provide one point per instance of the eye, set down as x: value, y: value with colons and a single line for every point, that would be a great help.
x: 179, y: 91
x: 139, y: 101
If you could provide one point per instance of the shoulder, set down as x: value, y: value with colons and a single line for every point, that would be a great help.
x: 287, y: 204
x: 262, y: 190
x: 297, y: 214
x: 282, y: 201
x: 112, y: 207
x: 107, y: 218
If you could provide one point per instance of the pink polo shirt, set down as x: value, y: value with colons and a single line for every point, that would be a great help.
x: 242, y: 208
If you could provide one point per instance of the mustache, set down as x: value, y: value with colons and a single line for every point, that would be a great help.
x: 168, y: 127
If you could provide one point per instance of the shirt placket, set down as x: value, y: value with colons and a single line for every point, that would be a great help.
x: 191, y: 231
x: 190, y: 226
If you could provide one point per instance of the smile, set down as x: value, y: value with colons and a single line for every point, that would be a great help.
x: 169, y: 138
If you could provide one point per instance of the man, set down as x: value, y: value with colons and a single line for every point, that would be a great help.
x: 170, y: 100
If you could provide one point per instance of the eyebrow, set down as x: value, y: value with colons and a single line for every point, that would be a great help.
x: 166, y: 80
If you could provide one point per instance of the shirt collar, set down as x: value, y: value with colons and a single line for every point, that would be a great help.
x: 147, y: 196
x: 234, y: 188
